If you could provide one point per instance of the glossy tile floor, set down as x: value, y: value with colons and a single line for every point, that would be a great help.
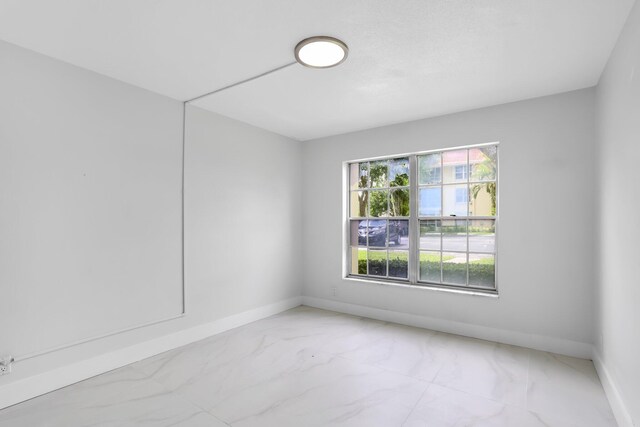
x: 308, y: 367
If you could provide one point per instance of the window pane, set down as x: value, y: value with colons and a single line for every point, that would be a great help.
x: 358, y: 260
x: 454, y: 268
x: 429, y: 171
x: 454, y: 235
x: 430, y: 201
x: 455, y: 166
x: 430, y: 267
x: 483, y: 162
x: 359, y: 233
x: 461, y: 173
x: 359, y: 204
x: 482, y: 271
x: 399, y: 173
x: 456, y: 200
x: 399, y: 202
x: 359, y: 175
x: 377, y: 232
x: 379, y: 174
x: 482, y: 235
x: 482, y: 200
x: 377, y: 262
x: 430, y: 234
x: 379, y: 203
x: 399, y: 264
x: 399, y: 234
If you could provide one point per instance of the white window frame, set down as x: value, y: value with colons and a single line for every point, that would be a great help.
x: 414, y: 224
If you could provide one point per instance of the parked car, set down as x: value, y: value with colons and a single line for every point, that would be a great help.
x: 376, y: 231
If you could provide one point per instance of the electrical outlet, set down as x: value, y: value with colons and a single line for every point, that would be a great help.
x: 5, y: 365
x: 335, y: 291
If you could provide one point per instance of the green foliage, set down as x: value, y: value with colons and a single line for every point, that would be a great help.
x: 378, y: 171
x: 376, y: 175
x: 460, y: 227
x: 400, y: 180
x: 483, y: 261
x: 481, y: 273
x: 399, y: 202
x: 362, y: 266
x: 398, y: 268
x: 399, y: 172
x: 454, y: 273
x: 378, y: 267
x: 481, y: 231
x: 378, y: 203
x: 490, y: 188
x: 486, y: 171
x: 430, y: 270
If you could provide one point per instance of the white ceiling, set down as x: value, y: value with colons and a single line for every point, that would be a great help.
x: 408, y: 59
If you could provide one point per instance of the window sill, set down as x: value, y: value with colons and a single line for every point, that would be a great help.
x: 425, y: 286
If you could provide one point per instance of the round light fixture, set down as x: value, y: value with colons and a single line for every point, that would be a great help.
x: 321, y: 52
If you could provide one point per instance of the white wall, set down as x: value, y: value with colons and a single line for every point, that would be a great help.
x: 243, y: 216
x: 90, y: 213
x: 618, y: 122
x: 80, y: 153
x: 547, y: 220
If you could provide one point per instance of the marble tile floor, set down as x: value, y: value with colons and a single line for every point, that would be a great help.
x: 308, y: 367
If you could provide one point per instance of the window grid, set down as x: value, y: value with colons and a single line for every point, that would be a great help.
x: 414, y: 272
x: 391, y: 218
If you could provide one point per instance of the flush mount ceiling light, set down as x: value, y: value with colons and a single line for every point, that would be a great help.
x: 321, y: 52
x: 314, y: 52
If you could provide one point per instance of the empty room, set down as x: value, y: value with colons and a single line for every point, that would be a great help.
x: 356, y: 213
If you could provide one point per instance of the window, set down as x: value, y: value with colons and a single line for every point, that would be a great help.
x: 461, y: 195
x: 461, y: 172
x: 379, y: 224
x: 425, y: 219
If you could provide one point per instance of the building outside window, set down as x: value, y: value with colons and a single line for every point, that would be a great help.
x: 462, y: 195
x: 425, y: 219
x: 461, y: 172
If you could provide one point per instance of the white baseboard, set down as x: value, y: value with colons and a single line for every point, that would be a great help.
x: 36, y: 385
x: 623, y: 417
x: 538, y: 342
